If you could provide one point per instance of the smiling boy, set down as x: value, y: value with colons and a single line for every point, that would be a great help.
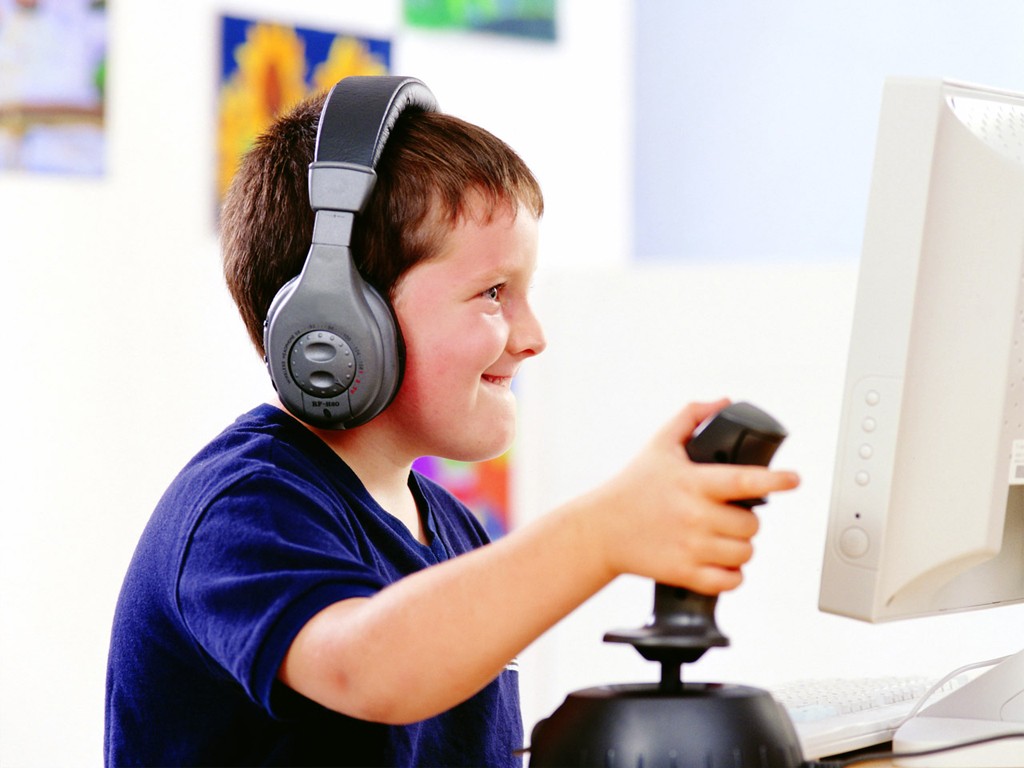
x: 301, y: 596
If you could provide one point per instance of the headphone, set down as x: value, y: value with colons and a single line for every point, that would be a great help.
x: 333, y: 346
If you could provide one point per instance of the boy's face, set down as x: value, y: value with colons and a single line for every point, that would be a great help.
x: 467, y: 325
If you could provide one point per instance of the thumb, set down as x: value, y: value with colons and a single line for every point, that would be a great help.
x: 680, y: 428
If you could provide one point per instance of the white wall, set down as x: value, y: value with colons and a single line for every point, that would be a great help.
x: 124, y: 354
x: 756, y: 122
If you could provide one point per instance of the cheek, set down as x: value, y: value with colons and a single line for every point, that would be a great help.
x: 461, y: 346
x: 429, y: 366
x: 443, y: 371
x: 433, y: 366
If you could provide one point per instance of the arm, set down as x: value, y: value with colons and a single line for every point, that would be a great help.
x: 433, y: 639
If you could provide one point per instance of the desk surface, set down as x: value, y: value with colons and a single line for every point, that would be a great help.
x: 884, y: 762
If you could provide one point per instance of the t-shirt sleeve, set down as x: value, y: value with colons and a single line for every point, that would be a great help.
x: 263, y: 559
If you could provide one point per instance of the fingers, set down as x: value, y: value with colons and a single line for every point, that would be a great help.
x: 713, y: 581
x: 707, y: 552
x: 728, y: 530
x: 721, y: 571
x: 728, y: 539
x: 719, y: 534
x: 728, y: 552
x: 733, y: 482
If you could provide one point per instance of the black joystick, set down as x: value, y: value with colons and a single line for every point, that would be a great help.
x: 710, y: 725
x: 683, y: 625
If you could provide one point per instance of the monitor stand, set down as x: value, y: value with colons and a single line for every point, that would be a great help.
x: 990, y: 705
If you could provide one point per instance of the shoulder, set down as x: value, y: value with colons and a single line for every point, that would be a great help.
x: 264, y: 447
x: 264, y: 471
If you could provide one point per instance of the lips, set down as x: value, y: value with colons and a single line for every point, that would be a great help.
x: 499, y: 381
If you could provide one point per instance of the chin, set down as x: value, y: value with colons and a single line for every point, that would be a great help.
x: 489, y: 448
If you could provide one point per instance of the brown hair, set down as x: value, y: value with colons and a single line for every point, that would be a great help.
x: 430, y: 166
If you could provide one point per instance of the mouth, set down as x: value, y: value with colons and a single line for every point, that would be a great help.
x: 499, y: 381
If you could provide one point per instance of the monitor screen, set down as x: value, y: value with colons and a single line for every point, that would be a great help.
x: 927, y: 510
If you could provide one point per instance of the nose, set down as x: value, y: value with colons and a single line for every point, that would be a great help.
x: 527, y: 336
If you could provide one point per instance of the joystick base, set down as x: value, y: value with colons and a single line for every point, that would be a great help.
x: 704, y: 724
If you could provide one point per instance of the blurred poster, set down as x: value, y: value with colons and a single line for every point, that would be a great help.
x: 267, y: 68
x: 523, y: 18
x: 482, y: 486
x: 53, y: 57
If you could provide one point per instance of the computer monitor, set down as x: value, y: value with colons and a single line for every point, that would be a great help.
x: 927, y: 512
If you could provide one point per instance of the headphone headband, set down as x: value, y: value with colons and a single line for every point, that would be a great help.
x: 359, y: 114
x: 355, y: 123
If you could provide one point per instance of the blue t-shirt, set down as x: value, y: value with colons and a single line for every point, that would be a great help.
x: 264, y: 528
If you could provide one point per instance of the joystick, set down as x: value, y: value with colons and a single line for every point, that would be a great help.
x: 683, y: 625
x: 673, y: 723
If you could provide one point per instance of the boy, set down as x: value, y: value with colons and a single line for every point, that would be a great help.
x: 300, y: 596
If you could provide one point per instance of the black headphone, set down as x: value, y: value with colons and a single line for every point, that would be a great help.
x: 333, y: 347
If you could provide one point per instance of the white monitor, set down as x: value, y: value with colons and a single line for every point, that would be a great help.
x: 927, y: 511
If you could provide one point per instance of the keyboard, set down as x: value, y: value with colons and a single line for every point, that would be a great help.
x: 835, y: 715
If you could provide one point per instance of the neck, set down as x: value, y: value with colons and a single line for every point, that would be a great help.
x: 385, y: 478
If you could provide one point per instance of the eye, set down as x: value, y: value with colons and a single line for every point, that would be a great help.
x: 493, y: 293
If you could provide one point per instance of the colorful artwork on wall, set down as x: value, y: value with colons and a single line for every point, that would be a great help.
x: 523, y: 18
x: 482, y: 486
x: 267, y: 68
x: 53, y: 60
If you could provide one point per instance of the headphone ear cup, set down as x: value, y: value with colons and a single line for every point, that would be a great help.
x: 334, y: 350
x: 393, y: 362
x: 275, y: 305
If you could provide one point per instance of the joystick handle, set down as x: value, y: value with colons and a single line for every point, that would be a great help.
x: 683, y: 625
x: 740, y: 433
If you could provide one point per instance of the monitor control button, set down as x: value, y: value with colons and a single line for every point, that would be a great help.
x: 854, y: 542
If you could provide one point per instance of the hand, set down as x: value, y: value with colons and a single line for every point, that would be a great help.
x: 670, y: 519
